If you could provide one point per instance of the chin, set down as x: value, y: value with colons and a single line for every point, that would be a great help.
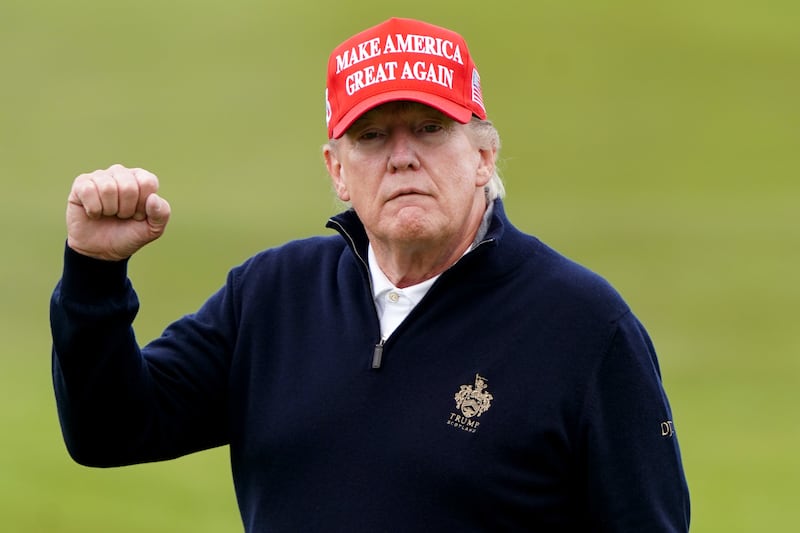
x: 412, y: 230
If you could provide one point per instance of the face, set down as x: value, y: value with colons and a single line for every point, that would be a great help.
x: 413, y: 175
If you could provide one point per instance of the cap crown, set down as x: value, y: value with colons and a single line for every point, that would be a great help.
x: 401, y: 59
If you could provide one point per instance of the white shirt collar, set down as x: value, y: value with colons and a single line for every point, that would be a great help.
x: 382, y: 285
x: 393, y: 304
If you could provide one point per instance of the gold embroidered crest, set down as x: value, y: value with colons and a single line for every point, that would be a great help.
x: 474, y: 400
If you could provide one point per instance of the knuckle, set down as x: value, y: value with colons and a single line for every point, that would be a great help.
x: 127, y: 186
x: 81, y: 182
x: 106, y: 186
x: 82, y: 186
x: 146, y: 178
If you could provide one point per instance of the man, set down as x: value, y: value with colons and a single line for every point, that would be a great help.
x: 431, y: 368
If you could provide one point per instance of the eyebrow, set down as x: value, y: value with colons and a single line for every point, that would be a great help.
x: 413, y: 109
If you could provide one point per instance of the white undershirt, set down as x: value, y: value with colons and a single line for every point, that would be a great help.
x: 393, y: 304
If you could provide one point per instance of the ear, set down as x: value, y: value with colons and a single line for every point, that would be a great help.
x: 334, y: 167
x: 486, y: 166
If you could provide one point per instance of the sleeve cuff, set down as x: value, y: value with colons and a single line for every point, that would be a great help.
x: 86, y: 279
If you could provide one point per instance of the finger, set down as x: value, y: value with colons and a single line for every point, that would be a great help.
x: 158, y: 211
x: 148, y: 185
x: 107, y: 190
x: 127, y: 193
x: 84, y: 194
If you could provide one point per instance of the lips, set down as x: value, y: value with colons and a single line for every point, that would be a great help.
x: 407, y: 192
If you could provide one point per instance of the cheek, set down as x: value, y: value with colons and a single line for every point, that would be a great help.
x: 356, y: 190
x: 469, y: 172
x: 361, y: 178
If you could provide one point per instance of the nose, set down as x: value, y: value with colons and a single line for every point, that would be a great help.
x: 402, y: 152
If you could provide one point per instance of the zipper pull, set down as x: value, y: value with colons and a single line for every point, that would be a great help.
x: 377, y: 355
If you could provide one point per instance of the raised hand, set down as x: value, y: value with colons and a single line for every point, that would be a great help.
x: 112, y: 213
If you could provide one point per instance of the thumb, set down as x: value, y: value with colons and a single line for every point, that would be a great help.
x: 157, y: 210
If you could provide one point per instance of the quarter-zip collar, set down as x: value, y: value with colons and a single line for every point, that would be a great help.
x: 351, y: 228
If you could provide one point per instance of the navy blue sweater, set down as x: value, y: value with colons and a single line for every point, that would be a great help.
x: 521, y: 394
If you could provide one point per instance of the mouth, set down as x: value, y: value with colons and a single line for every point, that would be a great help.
x: 406, y: 192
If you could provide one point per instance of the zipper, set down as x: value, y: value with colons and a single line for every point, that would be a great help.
x: 377, y: 354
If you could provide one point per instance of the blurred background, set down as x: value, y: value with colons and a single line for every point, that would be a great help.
x: 656, y: 143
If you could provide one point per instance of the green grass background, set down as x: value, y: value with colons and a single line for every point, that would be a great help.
x: 655, y: 142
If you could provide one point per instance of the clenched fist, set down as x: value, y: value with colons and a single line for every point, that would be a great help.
x: 112, y: 213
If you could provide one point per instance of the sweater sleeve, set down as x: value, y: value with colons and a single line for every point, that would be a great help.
x: 634, y: 476
x: 121, y: 404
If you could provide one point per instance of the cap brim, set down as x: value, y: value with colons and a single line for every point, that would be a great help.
x: 448, y: 107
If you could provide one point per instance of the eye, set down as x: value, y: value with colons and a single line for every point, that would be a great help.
x: 430, y: 127
x: 369, y: 135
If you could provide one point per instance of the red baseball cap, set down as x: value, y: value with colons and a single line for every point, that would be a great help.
x: 401, y: 59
